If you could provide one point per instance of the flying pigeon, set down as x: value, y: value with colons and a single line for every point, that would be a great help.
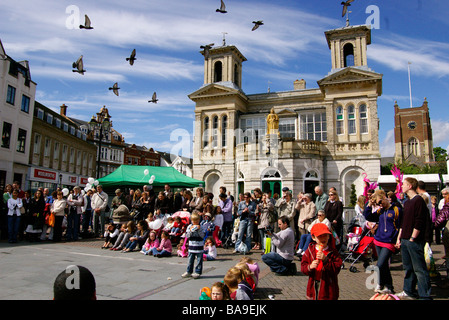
x: 345, y: 5
x: 78, y: 65
x: 87, y: 24
x: 206, y: 50
x: 257, y: 24
x: 222, y: 8
x: 115, y: 88
x: 132, y: 57
x: 153, y: 98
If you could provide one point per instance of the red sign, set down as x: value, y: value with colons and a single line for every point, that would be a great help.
x: 83, y: 181
x: 42, y: 174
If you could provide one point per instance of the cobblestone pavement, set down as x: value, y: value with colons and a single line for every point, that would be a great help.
x: 165, y: 273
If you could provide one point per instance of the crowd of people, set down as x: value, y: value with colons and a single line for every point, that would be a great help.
x: 310, y: 227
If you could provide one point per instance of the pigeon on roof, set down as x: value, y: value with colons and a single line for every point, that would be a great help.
x: 206, y: 49
x: 115, y: 88
x: 257, y: 24
x: 153, y: 98
x: 78, y: 65
x: 222, y: 8
x: 132, y: 57
x: 87, y: 23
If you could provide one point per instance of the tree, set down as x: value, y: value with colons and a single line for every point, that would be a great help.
x: 353, y: 197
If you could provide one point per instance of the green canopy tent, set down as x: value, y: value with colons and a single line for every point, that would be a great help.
x: 134, y: 176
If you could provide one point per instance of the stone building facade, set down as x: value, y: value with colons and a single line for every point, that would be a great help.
x: 328, y: 135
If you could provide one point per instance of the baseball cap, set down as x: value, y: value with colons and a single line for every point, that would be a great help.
x: 319, y: 229
x: 285, y: 189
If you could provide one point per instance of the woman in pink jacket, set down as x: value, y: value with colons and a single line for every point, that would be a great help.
x: 165, y: 247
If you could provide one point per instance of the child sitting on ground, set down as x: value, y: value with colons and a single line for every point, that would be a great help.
x: 110, y: 235
x: 253, y: 267
x: 152, y: 242
x: 322, y: 263
x: 250, y: 278
x: 165, y: 247
x: 210, y: 250
x: 239, y: 289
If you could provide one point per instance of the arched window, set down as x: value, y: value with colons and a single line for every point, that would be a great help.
x: 363, y: 116
x: 224, y: 127
x: 215, y: 132
x: 351, y: 120
x: 206, y: 132
x: 348, y: 54
x: 340, y: 119
x: 218, y: 71
x: 413, y: 146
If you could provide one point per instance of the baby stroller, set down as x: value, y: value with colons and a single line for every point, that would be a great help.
x: 231, y: 238
x: 360, y: 245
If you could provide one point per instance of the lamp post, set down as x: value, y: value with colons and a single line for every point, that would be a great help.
x: 101, y: 125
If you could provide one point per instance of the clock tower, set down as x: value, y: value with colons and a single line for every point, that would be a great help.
x: 413, y: 135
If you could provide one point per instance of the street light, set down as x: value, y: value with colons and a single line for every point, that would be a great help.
x: 101, y: 125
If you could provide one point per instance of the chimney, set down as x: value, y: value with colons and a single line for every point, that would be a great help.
x: 63, y: 111
x: 299, y: 84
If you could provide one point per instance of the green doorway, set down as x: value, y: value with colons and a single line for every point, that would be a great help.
x: 273, y: 186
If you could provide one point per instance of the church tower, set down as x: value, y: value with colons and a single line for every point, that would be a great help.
x: 413, y: 135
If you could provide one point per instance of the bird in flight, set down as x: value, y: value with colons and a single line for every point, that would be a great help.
x: 87, y: 23
x: 206, y: 48
x: 78, y: 65
x: 115, y: 88
x: 257, y: 24
x: 132, y: 57
x: 222, y: 8
x: 153, y: 98
x: 345, y: 5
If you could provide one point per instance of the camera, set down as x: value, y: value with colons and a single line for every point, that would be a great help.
x: 269, y: 229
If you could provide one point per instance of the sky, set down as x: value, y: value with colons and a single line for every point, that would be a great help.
x: 167, y: 35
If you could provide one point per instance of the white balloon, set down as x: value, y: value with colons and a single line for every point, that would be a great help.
x: 150, y: 181
x: 88, y: 185
x: 146, y: 172
x: 153, y: 177
x: 157, y: 224
x: 96, y: 182
x: 91, y: 180
x: 65, y: 192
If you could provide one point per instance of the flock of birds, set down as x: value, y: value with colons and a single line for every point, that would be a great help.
x: 79, y: 67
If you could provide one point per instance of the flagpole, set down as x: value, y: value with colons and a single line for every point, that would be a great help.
x: 409, y: 84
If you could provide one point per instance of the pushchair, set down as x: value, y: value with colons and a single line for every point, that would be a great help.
x: 360, y: 245
x: 231, y: 238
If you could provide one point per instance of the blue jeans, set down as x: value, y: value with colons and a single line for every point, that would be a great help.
x: 73, y: 225
x: 304, y: 241
x: 246, y: 226
x: 163, y: 253
x: 13, y: 227
x: 383, y: 263
x: 415, y: 267
x: 199, y: 262
x: 276, y: 262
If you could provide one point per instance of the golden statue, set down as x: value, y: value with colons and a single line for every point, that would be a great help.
x: 272, y: 122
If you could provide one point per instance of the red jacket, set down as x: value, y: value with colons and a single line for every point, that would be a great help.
x: 328, y: 284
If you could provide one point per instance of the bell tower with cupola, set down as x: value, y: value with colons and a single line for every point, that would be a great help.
x: 223, y: 65
x: 348, y: 46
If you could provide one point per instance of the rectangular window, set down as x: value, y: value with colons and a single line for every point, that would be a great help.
x: 363, y: 119
x: 47, y: 147
x: 313, y: 126
x: 11, y: 95
x: 287, y: 128
x: 72, y: 156
x: 58, y: 123
x: 252, y: 130
x: 66, y: 127
x: 50, y: 118
x: 25, y: 104
x: 21, y: 140
x: 6, y: 135
x: 40, y: 114
x: 64, y: 153
x: 56, y: 151
x: 37, y: 144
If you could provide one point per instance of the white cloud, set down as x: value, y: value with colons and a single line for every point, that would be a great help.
x: 387, y: 148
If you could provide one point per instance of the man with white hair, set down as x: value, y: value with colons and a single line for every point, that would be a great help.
x: 321, y: 198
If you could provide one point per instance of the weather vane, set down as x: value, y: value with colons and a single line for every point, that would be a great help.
x: 224, y: 38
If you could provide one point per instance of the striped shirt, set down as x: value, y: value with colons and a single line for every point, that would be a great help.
x: 195, y: 234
